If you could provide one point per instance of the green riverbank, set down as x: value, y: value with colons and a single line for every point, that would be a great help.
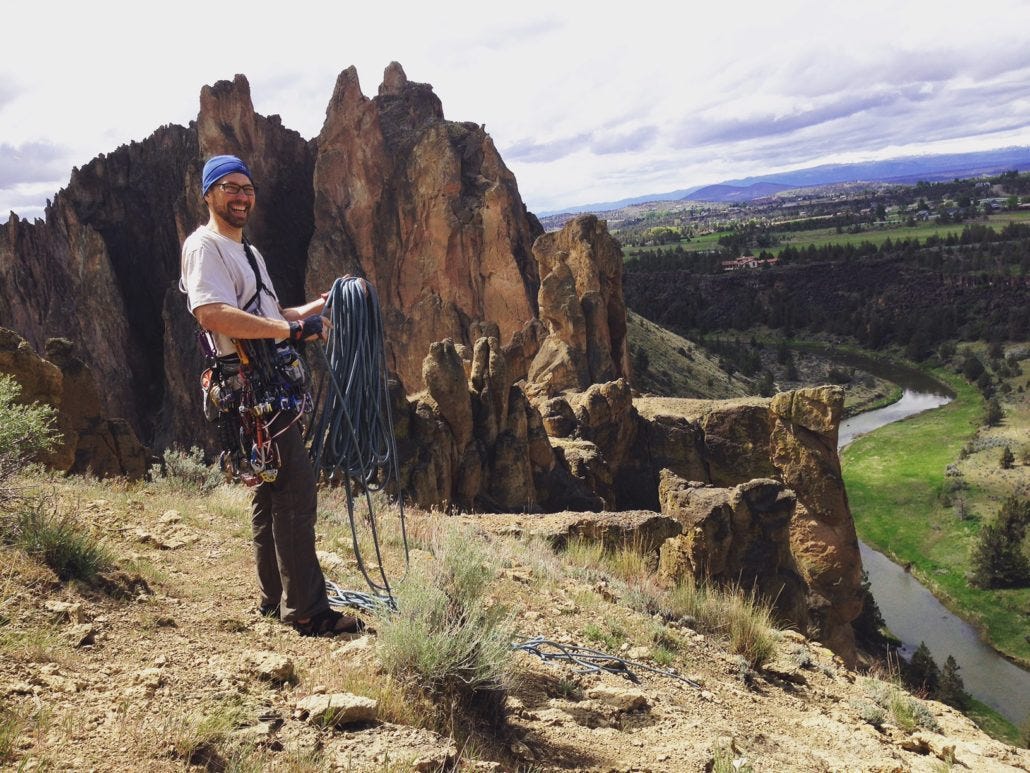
x: 895, y: 477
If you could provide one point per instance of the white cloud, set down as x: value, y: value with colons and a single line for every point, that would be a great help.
x: 585, y: 103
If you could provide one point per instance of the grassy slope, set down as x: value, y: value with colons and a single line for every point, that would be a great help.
x: 679, y: 367
x: 894, y: 477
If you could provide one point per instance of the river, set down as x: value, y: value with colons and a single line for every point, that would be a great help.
x: 912, y: 613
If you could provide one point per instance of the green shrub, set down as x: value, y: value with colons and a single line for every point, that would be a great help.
x: 57, y: 539
x: 997, y: 557
x: 186, y: 471
x: 741, y: 617
x: 25, y: 430
x: 446, y: 641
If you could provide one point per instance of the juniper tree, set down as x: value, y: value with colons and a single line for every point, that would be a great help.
x: 951, y: 689
x: 998, y: 559
x: 1008, y: 459
x: 993, y: 413
x: 923, y: 673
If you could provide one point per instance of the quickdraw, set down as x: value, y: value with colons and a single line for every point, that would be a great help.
x: 245, y: 394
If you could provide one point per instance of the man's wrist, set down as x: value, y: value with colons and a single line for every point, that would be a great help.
x: 296, y: 330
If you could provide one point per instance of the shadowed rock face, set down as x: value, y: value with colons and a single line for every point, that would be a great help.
x: 90, y: 442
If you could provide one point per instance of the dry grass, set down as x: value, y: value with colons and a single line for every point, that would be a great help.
x: 745, y: 621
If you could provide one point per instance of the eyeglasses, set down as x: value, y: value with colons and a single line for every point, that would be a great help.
x: 232, y: 189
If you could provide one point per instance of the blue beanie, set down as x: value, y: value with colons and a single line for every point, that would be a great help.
x: 218, y: 167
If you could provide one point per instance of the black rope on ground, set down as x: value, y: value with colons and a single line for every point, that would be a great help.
x: 351, y: 438
x: 593, y: 661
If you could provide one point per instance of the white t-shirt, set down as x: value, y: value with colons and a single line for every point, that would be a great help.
x: 215, y: 270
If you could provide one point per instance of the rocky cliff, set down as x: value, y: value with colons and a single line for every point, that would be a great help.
x: 512, y: 389
x: 90, y: 442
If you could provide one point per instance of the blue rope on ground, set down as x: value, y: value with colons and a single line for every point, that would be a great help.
x: 592, y: 661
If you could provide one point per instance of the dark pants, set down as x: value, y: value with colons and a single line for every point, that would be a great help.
x: 283, y: 520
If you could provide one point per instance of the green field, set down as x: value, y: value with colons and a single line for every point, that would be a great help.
x: 894, y: 478
x: 895, y: 232
x: 823, y: 236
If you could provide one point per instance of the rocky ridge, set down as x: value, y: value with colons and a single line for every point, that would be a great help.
x: 174, y: 669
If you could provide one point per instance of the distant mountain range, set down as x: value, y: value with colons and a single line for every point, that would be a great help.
x: 905, y: 169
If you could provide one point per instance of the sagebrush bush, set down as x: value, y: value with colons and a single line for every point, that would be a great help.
x: 446, y: 641
x: 186, y: 471
x: 905, y: 711
x: 25, y: 430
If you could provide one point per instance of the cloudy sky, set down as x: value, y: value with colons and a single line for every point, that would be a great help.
x: 587, y: 102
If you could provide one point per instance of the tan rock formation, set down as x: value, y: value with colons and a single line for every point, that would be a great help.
x: 581, y: 304
x: 643, y: 530
x: 803, y: 446
x: 736, y: 536
x: 790, y: 438
x: 427, y: 211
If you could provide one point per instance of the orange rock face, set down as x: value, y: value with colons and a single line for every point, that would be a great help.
x: 426, y: 210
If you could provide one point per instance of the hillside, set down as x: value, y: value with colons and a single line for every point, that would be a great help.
x: 670, y: 365
x: 163, y: 663
x: 904, y: 169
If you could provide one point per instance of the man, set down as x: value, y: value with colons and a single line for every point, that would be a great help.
x: 231, y: 295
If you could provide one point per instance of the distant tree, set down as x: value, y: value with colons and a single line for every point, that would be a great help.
x: 962, y: 510
x: 993, y: 413
x: 946, y: 350
x: 1008, y: 459
x: 985, y: 384
x: 783, y: 354
x: 869, y: 624
x: 766, y: 385
x: 972, y: 367
x: 998, y: 560
x: 919, y: 346
x: 951, y: 689
x: 923, y: 673
x: 641, y: 360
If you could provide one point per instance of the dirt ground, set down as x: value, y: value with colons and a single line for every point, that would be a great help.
x: 170, y: 667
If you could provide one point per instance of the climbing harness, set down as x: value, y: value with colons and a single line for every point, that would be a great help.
x: 351, y: 438
x: 245, y: 394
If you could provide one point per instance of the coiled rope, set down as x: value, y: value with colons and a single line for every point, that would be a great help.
x: 352, y: 443
x: 351, y: 437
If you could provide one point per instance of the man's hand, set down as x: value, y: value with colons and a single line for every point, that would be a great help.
x: 315, y: 326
